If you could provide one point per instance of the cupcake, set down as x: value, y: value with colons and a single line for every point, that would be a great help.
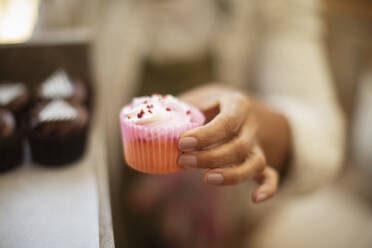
x: 14, y: 97
x: 57, y: 132
x: 60, y: 86
x: 151, y: 127
x: 11, y: 153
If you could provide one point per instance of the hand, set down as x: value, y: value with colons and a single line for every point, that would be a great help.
x: 227, y: 145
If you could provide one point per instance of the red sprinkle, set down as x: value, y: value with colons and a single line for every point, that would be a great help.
x: 168, y: 109
x: 150, y: 106
x: 140, y: 114
x: 149, y: 111
x: 164, y: 96
x: 155, y: 94
x: 188, y: 112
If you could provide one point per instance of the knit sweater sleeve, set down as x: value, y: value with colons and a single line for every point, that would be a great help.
x: 294, y: 77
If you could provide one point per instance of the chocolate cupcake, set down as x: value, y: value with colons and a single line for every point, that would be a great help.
x: 11, y: 152
x: 60, y: 86
x: 58, y: 132
x: 14, y: 97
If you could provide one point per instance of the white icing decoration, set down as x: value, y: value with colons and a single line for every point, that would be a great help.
x: 158, y: 109
x: 58, y: 85
x: 8, y: 92
x: 58, y: 110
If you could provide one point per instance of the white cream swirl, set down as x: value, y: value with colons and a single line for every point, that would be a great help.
x: 58, y: 85
x: 157, y: 109
x: 8, y: 92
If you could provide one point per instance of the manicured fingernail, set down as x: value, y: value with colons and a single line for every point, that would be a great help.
x: 261, y: 197
x: 187, y: 160
x: 187, y: 143
x: 215, y: 179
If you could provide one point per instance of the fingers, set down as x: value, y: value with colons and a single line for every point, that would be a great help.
x: 249, y: 169
x: 253, y: 168
x: 269, y: 184
x: 233, y: 112
x: 233, y: 152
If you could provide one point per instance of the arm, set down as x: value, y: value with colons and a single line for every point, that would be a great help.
x: 294, y: 78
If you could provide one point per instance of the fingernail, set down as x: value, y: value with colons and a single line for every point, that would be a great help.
x: 187, y: 160
x: 215, y: 179
x: 187, y: 143
x: 261, y: 197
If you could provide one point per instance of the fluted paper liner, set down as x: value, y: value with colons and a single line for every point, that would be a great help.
x: 154, y: 150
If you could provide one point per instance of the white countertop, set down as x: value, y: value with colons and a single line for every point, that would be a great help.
x: 50, y: 207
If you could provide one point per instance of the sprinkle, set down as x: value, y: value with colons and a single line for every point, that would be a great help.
x: 168, y: 109
x: 149, y: 111
x: 140, y: 114
x: 155, y: 94
x: 188, y: 112
x: 164, y: 96
x: 128, y: 117
x: 150, y: 106
x: 145, y: 102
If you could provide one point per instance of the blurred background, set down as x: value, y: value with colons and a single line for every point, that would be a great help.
x: 137, y: 47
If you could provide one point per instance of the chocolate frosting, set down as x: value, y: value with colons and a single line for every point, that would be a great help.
x: 7, y: 123
x: 58, y: 118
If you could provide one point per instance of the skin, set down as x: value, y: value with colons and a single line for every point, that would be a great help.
x: 241, y: 139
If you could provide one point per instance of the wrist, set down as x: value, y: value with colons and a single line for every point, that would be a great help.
x: 273, y: 134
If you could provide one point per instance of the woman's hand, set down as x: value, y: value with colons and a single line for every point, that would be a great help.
x: 228, y: 145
